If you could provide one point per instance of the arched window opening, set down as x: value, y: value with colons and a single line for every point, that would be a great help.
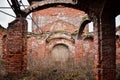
x: 29, y: 20
x: 90, y: 27
x: 117, y: 20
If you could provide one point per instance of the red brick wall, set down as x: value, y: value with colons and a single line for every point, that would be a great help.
x: 60, y: 18
x: 16, y: 47
x: 58, y: 26
x: 117, y: 50
x: 53, y: 21
x: 2, y: 33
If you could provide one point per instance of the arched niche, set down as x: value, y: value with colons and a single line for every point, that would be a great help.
x: 60, y: 53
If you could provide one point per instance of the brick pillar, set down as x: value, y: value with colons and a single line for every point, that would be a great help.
x: 96, y: 48
x: 106, y: 66
x: 16, y: 47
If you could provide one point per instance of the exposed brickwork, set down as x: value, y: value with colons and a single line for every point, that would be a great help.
x: 40, y: 44
x: 106, y: 52
x: 16, y: 49
x: 58, y: 18
x: 59, y: 26
x: 36, y: 51
x: 117, y: 50
x: 2, y: 33
x: 104, y: 35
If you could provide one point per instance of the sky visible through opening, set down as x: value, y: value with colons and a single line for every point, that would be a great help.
x: 5, y: 19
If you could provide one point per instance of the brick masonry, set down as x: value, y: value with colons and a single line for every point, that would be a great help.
x: 14, y: 47
x: 57, y: 26
x: 54, y: 26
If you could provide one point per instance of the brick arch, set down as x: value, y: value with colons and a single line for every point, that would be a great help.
x: 82, y: 26
x: 56, y: 35
x: 47, y: 4
x: 61, y: 44
x: 60, y: 52
x: 54, y: 42
x: 66, y: 43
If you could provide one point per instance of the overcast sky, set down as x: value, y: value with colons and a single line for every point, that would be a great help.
x: 5, y: 19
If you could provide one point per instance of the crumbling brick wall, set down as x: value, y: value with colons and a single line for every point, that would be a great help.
x: 2, y: 37
x: 55, y: 26
x: 15, y: 47
x: 61, y: 20
x: 59, y: 26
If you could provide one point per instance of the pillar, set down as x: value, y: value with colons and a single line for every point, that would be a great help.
x: 106, y: 55
x: 16, y: 47
x: 96, y: 47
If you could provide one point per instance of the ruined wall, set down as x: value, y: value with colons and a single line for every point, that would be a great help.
x: 54, y: 19
x: 59, y: 25
x: 15, y: 50
x: 2, y: 36
x: 56, y: 26
x: 118, y: 49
